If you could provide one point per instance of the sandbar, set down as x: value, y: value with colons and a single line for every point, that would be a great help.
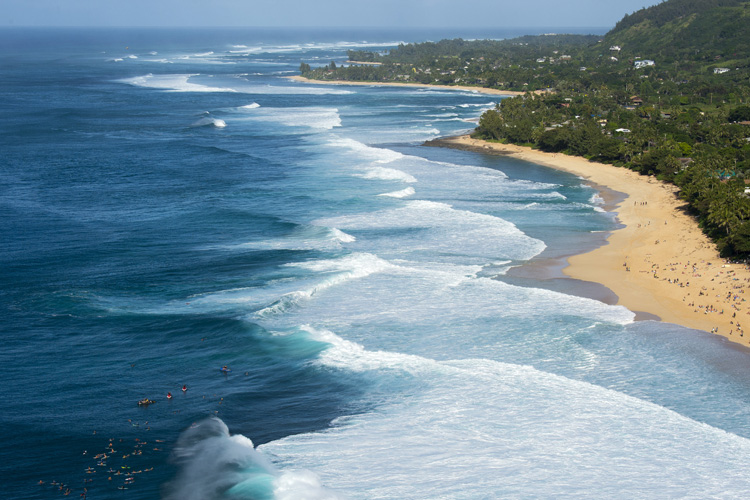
x: 659, y: 261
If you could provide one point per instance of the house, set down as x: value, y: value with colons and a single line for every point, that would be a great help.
x: 615, y: 48
x: 643, y: 63
x: 622, y: 130
x: 613, y: 59
x: 565, y: 57
x: 636, y: 101
x: 720, y: 71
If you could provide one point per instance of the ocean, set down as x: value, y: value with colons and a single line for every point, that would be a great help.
x: 170, y: 205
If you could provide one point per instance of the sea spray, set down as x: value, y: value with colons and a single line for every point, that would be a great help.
x: 215, y: 464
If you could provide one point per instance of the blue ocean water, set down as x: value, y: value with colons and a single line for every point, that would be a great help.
x: 170, y: 204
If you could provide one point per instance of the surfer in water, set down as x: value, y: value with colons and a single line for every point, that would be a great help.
x: 184, y: 388
x: 169, y: 395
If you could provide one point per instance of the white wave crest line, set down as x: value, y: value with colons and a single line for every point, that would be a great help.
x: 172, y: 83
x: 344, y: 354
x: 311, y: 117
x: 354, y: 266
x: 387, y: 174
x: 400, y: 194
x: 207, y: 121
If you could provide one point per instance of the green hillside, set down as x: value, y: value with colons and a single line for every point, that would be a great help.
x: 665, y: 93
x: 703, y: 30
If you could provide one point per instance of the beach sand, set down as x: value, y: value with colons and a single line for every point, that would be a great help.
x: 659, y: 262
x: 480, y: 90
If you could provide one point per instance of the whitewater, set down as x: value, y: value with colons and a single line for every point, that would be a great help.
x: 172, y: 205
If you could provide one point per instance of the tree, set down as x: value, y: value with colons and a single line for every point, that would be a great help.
x: 739, y: 114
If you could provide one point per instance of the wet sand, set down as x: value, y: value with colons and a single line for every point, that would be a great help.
x: 659, y: 264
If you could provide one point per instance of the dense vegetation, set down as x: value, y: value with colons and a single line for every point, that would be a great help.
x: 665, y: 93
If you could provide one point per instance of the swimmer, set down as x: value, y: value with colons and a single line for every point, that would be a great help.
x: 169, y: 395
x: 184, y: 388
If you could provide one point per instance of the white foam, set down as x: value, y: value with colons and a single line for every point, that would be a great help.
x: 341, y: 236
x: 339, y: 271
x: 446, y: 230
x: 208, y: 121
x: 309, y: 117
x: 400, y: 194
x: 307, y: 238
x: 387, y: 174
x: 172, y: 83
x: 596, y: 199
x: 458, y: 429
x: 378, y: 155
x: 296, y: 90
x: 250, y: 106
x: 316, y: 46
x: 214, y: 463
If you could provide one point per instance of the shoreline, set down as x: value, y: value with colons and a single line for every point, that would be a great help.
x: 658, y: 264
x: 465, y: 88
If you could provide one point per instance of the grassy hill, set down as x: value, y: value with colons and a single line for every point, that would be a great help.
x: 679, y: 30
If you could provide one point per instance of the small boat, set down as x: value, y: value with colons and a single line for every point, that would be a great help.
x: 146, y: 402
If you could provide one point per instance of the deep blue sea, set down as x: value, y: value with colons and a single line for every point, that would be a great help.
x: 170, y: 204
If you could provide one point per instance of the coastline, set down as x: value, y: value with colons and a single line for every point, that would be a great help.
x: 659, y: 262
x: 480, y: 90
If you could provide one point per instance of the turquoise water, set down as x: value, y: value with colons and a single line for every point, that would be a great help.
x: 171, y: 204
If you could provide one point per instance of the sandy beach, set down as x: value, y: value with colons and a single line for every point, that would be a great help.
x: 659, y: 262
x: 480, y: 90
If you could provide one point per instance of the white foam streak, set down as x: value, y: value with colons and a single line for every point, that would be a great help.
x: 378, y: 155
x: 313, y: 238
x: 212, y: 122
x: 400, y: 194
x: 447, y: 230
x: 172, y: 83
x: 309, y: 117
x: 387, y: 174
x: 340, y: 271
